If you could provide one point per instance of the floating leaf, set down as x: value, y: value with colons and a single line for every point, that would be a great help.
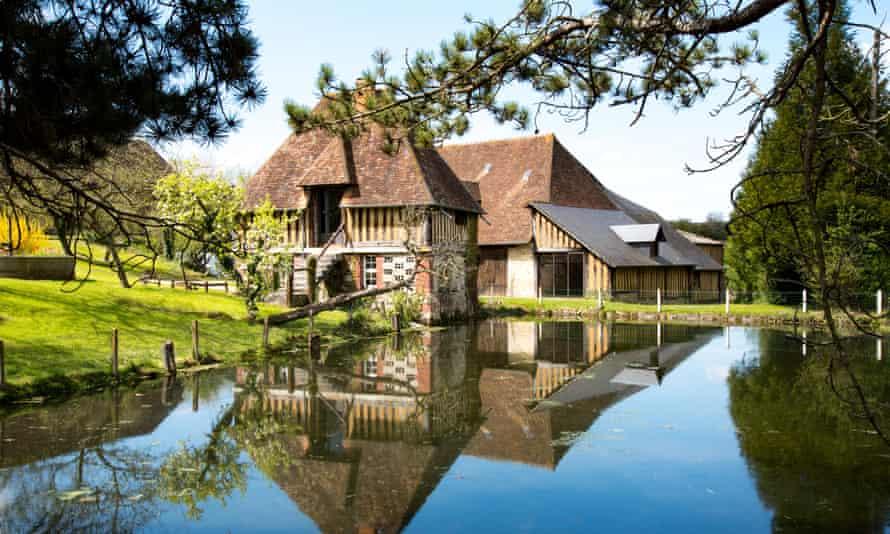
x: 73, y: 494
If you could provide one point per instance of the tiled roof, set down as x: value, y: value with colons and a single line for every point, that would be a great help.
x: 513, y: 173
x: 410, y: 177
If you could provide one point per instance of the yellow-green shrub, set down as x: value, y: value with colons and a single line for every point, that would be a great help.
x: 26, y: 236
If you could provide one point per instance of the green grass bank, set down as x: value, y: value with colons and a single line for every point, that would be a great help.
x: 57, y: 337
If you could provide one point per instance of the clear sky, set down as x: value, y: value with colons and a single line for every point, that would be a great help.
x: 644, y: 163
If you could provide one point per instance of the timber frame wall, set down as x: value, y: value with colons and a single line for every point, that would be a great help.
x: 384, y: 225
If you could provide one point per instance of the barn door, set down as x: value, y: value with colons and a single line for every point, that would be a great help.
x: 492, y: 278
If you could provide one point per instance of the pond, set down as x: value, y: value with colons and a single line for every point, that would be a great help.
x: 504, y: 426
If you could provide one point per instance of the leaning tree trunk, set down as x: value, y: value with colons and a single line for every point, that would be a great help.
x: 118, y: 265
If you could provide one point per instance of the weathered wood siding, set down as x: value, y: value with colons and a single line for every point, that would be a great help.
x: 388, y: 225
x: 377, y: 225
x: 550, y: 236
x: 668, y: 279
x: 296, y: 231
x: 598, y: 275
x: 714, y: 251
x: 709, y: 280
x: 448, y: 226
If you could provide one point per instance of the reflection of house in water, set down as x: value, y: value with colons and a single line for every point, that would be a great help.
x: 544, y: 382
x: 376, y: 439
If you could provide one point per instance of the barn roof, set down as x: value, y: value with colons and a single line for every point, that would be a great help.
x: 596, y: 231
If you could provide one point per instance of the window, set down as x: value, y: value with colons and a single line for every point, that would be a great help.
x: 397, y: 269
x: 370, y: 271
x: 561, y: 274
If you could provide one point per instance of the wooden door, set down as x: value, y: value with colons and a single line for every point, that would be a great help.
x: 492, y: 280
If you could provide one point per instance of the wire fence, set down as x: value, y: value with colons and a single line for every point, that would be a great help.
x: 861, y: 302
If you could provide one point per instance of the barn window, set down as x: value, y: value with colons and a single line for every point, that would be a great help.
x: 561, y: 274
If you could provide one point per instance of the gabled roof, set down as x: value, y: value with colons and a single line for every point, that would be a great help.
x: 411, y: 176
x: 639, y: 233
x: 595, y: 230
x: 513, y: 173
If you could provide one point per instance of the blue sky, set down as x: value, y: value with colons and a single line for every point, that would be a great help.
x: 644, y: 162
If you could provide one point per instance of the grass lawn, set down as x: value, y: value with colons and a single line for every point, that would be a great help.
x: 51, y: 328
x: 532, y: 304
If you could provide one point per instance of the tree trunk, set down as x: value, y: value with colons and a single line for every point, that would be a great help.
x: 63, y: 231
x: 334, y: 303
x: 118, y: 265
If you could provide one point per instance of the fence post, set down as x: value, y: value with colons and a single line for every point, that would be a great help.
x: 880, y: 348
x: 804, y: 300
x: 226, y: 287
x: 658, y: 300
x: 114, y: 349
x: 880, y: 298
x: 599, y: 298
x: 196, y: 353
x: 206, y: 286
x: 727, y: 301
x: 169, y: 357
x: 2, y: 365
x: 265, y: 333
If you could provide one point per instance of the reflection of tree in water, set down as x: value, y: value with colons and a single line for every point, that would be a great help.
x: 67, y: 470
x: 817, y: 464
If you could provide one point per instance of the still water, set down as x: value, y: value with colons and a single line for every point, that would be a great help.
x: 507, y: 426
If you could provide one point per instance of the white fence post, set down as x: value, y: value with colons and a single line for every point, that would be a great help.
x: 803, y: 348
x: 880, y: 298
x: 658, y: 300
x: 658, y: 334
x: 599, y: 298
x: 805, y: 300
x: 727, y: 301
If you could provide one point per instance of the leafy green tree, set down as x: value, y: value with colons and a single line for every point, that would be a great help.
x: 78, y: 79
x: 772, y: 238
x: 206, y: 211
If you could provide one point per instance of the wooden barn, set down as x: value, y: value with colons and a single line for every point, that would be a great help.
x: 551, y: 228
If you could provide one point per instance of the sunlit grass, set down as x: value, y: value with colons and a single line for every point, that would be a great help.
x: 65, y: 328
x: 590, y: 304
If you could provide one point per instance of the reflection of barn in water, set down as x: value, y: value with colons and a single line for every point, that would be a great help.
x: 375, y: 440
x: 545, y: 382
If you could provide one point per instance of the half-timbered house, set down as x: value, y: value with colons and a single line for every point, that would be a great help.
x: 371, y: 218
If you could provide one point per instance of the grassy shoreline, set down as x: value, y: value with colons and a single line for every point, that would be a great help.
x: 590, y: 305
x: 57, y: 337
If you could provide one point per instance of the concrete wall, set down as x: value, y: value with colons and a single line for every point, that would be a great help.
x: 521, y: 271
x: 37, y: 267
